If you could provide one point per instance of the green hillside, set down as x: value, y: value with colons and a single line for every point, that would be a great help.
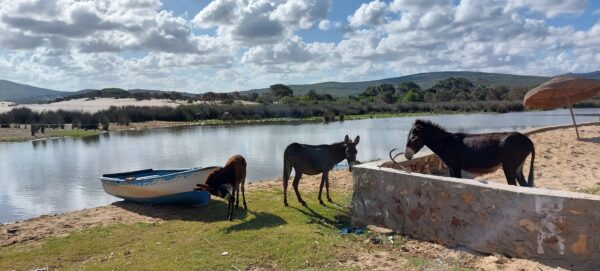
x: 425, y: 80
x: 19, y: 93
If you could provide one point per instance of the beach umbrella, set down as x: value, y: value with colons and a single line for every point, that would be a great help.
x: 563, y: 91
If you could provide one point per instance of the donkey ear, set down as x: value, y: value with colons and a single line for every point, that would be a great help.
x: 201, y: 187
x: 419, y: 123
x: 357, y: 139
x: 346, y: 139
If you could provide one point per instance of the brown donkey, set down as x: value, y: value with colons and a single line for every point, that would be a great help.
x: 225, y: 181
x: 315, y: 159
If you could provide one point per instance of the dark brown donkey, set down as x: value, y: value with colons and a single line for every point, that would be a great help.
x: 476, y: 153
x: 315, y: 159
x: 225, y: 181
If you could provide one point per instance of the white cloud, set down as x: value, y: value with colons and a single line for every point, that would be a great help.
x: 70, y: 45
x: 550, y: 8
x: 293, y: 50
x: 218, y: 12
x: 596, y: 12
x: 324, y: 24
x: 301, y: 12
x: 418, y: 6
x: 477, y: 10
x: 261, y: 21
x: 372, y: 13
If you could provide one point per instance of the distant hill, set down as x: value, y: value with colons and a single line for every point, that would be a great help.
x: 425, y: 80
x: 589, y: 75
x: 19, y: 93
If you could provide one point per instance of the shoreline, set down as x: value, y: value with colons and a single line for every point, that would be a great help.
x: 52, y: 133
x: 497, y: 176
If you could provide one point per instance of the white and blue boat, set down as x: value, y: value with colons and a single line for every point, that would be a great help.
x: 153, y: 187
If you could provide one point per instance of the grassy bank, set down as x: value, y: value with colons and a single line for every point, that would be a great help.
x: 268, y: 236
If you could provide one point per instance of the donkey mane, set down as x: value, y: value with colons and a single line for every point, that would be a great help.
x: 430, y: 125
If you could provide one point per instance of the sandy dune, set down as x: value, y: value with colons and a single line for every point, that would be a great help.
x: 91, y: 106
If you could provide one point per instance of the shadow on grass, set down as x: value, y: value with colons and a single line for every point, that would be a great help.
x: 215, y: 210
x: 259, y: 221
x: 338, y: 221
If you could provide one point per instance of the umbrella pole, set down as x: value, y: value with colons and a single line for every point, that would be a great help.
x: 573, y: 118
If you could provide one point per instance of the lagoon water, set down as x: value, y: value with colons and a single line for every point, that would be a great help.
x: 47, y: 177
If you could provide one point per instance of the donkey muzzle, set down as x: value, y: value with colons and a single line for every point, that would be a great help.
x: 408, y: 153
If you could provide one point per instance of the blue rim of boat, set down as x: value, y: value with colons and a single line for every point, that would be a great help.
x: 117, y: 178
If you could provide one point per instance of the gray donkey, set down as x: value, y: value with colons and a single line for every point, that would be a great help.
x: 315, y: 159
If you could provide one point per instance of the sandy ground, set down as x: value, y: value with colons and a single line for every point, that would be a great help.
x: 22, y: 134
x: 34, y: 230
x: 562, y: 162
x: 91, y: 106
x: 100, y: 104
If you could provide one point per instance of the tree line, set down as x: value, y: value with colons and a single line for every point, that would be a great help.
x: 449, y: 95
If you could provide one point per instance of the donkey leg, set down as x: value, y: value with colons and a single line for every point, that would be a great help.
x: 521, y: 180
x: 520, y: 177
x: 285, y: 186
x: 323, y: 178
x: 244, y: 195
x: 230, y: 208
x: 237, y: 197
x: 509, y: 173
x: 295, y: 185
x: 327, y: 186
x: 455, y: 172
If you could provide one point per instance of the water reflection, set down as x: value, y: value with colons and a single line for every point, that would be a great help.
x: 92, y: 140
x: 59, y: 175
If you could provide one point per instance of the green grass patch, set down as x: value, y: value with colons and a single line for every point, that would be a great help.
x: 71, y: 132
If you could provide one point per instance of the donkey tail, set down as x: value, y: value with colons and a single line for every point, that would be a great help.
x: 530, y: 177
x: 287, y: 168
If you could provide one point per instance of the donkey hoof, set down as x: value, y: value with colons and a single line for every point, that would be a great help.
x: 303, y: 203
x: 330, y: 200
x: 285, y: 204
x: 322, y: 203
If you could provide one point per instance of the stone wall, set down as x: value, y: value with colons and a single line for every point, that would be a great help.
x: 554, y: 227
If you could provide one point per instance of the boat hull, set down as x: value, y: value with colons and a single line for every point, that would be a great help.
x: 159, y: 186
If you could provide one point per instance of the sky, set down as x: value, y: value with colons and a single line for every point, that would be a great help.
x: 232, y: 45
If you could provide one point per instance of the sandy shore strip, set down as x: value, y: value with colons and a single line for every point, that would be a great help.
x: 562, y: 162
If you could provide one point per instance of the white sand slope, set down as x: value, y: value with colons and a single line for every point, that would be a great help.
x: 91, y: 106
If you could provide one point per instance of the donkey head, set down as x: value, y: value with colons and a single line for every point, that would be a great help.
x: 222, y: 191
x: 216, y: 184
x: 351, y: 150
x: 416, y: 139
